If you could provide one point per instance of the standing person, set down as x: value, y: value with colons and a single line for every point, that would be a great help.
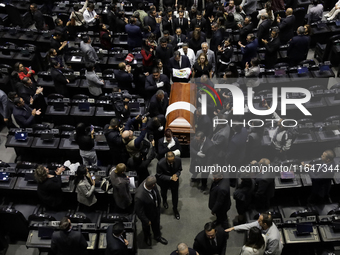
x: 298, y: 47
x: 66, y: 241
x: 272, y: 47
x: 186, y: 51
x: 134, y: 34
x: 147, y: 207
x: 249, y: 51
x: 90, y: 15
x: 202, y: 67
x: 4, y: 111
x: 225, y: 50
x: 116, y: 243
x: 286, y: 26
x: 219, y: 199
x: 93, y: 81
x: 315, y: 13
x: 168, y: 143
x: 77, y: 14
x: 105, y: 37
x: 89, y: 52
x: 85, y: 186
x: 86, y: 145
x: 168, y: 172
x: 121, y: 190
x: 148, y: 55
x: 37, y: 17
x: 256, y: 243
x: 59, y: 80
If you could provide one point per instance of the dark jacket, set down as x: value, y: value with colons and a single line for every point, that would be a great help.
x: 39, y: 20
x: 23, y: 116
x: 165, y: 54
x: 158, y: 108
x: 49, y: 191
x: 163, y: 147
x: 298, y: 48
x: 68, y: 243
x: 134, y: 35
x: 114, y: 246
x: 168, y: 25
x: 150, y: 84
x: 219, y: 196
x: 244, y: 31
x: 182, y: 38
x: 114, y: 139
x: 184, y: 26
x: 164, y: 171
x: 287, y: 29
x: 121, y: 190
x: 151, y: 21
x: 263, y: 31
x: 59, y: 82
x: 124, y: 79
x: 185, y: 62
x: 272, y: 47
x: 249, y: 52
x: 216, y: 40
x: 236, y: 147
x: 203, y: 245
x: 203, y: 24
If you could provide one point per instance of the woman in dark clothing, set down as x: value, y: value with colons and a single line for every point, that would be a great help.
x: 53, y: 56
x: 230, y: 22
x: 225, y: 51
x: 202, y: 66
x: 196, y: 41
x: 86, y: 145
x: 148, y: 54
x: 105, y: 37
x: 49, y: 186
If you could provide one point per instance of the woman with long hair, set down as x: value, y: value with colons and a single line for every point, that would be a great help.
x: 23, y: 71
x: 148, y: 53
x: 267, y: 10
x: 85, y: 141
x: 85, y: 186
x: 256, y: 243
x: 202, y: 66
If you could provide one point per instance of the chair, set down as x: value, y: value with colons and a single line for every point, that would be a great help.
x: 332, y: 118
x: 40, y: 127
x: 281, y: 65
x: 49, y: 21
x: 322, y: 51
x: 310, y: 62
x: 80, y: 96
x: 16, y: 18
x: 65, y: 128
x: 54, y: 96
x: 299, y: 14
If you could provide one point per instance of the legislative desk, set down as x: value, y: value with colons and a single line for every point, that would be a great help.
x: 181, y: 119
x: 291, y: 236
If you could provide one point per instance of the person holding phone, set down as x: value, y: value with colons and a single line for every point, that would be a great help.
x: 85, y: 186
x: 23, y: 71
x: 86, y: 144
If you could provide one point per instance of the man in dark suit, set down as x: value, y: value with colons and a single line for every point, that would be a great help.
x: 203, y: 37
x: 152, y: 21
x: 169, y: 38
x: 298, y: 47
x: 168, y: 22
x: 286, y: 26
x: 164, y: 52
x: 24, y: 115
x: 135, y: 37
x: 147, y: 208
x: 179, y: 61
x: 111, y: 18
x: 245, y: 29
x: 183, y: 249
x: 168, y: 172
x: 198, y: 21
x: 32, y: 95
x: 59, y: 79
x: 37, y: 16
x: 212, y: 240
x: 68, y: 242
x: 264, y: 29
x: 272, y: 47
x: 250, y: 50
x: 124, y: 76
x: 158, y: 104
x: 219, y: 199
x: 116, y: 244
x: 179, y: 38
x: 157, y: 81
x: 182, y: 22
x: 216, y: 38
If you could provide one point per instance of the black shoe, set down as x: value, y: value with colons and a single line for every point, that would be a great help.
x: 161, y: 240
x: 147, y: 240
x: 177, y: 216
x: 165, y: 204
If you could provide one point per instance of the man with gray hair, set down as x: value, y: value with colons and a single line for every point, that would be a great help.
x: 147, y: 208
x: 183, y: 249
x: 298, y: 47
x: 263, y: 31
x: 210, y: 54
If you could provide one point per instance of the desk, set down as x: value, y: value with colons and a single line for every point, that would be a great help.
x: 292, y: 238
x: 12, y: 142
x: 50, y: 111
x: 38, y: 143
x: 102, y: 240
x: 76, y: 112
x: 328, y: 235
x: 306, y: 180
x: 9, y: 184
x: 287, y: 184
x: 21, y: 184
x: 67, y: 144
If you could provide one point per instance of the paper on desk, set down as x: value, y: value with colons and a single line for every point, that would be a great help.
x: 336, y: 132
x: 271, y: 133
x: 132, y: 182
x: 76, y: 59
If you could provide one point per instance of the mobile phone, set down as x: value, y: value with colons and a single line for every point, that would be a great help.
x: 92, y: 128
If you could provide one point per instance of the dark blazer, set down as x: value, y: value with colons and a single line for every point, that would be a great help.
x: 124, y: 79
x: 216, y: 40
x: 206, y: 150
x: 49, y: 192
x: 182, y: 37
x: 111, y: 21
x: 68, y: 243
x: 244, y: 31
x: 23, y: 117
x: 59, y: 81
x: 184, y: 26
x: 145, y: 207
x: 249, y: 52
x: 164, y: 171
x: 205, y: 124
x: 120, y: 25
x: 134, y: 35
x: 165, y: 54
x: 272, y: 47
x: 203, y: 246
x: 203, y: 36
x: 151, y: 21
x: 219, y: 196
x: 168, y: 25
x: 263, y: 31
x: 298, y: 48
x: 236, y: 147
x: 264, y: 190
x: 203, y: 24
x: 39, y: 20
x: 163, y: 147
x: 286, y: 27
x: 184, y: 64
x: 26, y: 93
x: 114, y: 246
x: 158, y: 108
x: 150, y: 83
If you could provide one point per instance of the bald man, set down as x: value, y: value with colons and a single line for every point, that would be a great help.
x: 286, y: 26
x: 183, y: 249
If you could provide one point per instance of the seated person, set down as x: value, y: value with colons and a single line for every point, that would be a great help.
x: 23, y: 71
x: 116, y: 243
x: 24, y: 115
x: 49, y: 186
x: 29, y: 92
x: 334, y: 12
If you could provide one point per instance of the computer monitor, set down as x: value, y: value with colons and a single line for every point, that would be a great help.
x: 304, y: 228
x: 47, y: 137
x: 45, y: 232
x: 280, y: 72
x: 4, y: 177
x: 58, y: 106
x: 302, y: 70
x: 287, y: 175
x: 134, y: 106
x: 20, y: 136
x: 324, y: 68
x: 84, y: 106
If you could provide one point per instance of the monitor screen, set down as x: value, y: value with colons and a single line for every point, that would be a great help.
x: 304, y: 228
x: 324, y: 68
x: 287, y: 175
x: 45, y: 232
x: 84, y: 106
x: 302, y: 70
x: 4, y: 177
x: 280, y: 72
x: 20, y: 136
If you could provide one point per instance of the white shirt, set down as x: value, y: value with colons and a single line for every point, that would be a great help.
x: 89, y: 17
x: 190, y: 55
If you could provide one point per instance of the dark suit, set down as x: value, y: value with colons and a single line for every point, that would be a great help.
x: 165, y: 54
x: 185, y: 63
x: 203, y: 37
x: 164, y: 173
x: 134, y: 36
x: 202, y: 23
x: 184, y: 26
x: 249, y: 52
x: 219, y: 201
x: 68, y: 243
x: 60, y: 82
x: 168, y: 25
x: 163, y: 147
x: 23, y: 116
x: 181, y: 39
x: 156, y: 107
x: 216, y: 40
x: 39, y: 20
x: 244, y: 31
x: 272, y: 47
x: 111, y: 21
x: 298, y: 49
x: 114, y: 246
x: 124, y: 79
x: 151, y: 21
x: 26, y: 93
x: 204, y: 247
x: 237, y: 147
x: 151, y: 86
x: 148, y: 210
x: 264, y: 191
x: 116, y: 145
x: 263, y: 31
x: 287, y: 29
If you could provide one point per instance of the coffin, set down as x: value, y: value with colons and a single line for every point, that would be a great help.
x: 180, y: 112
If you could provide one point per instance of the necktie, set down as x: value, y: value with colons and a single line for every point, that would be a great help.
x: 199, y: 23
x: 153, y: 194
x: 214, y: 246
x: 178, y: 39
x: 181, y: 22
x: 91, y: 13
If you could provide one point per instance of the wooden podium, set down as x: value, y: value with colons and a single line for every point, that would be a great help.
x: 180, y: 112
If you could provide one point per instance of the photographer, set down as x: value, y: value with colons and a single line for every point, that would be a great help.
x: 132, y: 143
x: 121, y: 106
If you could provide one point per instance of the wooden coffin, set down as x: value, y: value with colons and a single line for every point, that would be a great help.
x: 180, y: 112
